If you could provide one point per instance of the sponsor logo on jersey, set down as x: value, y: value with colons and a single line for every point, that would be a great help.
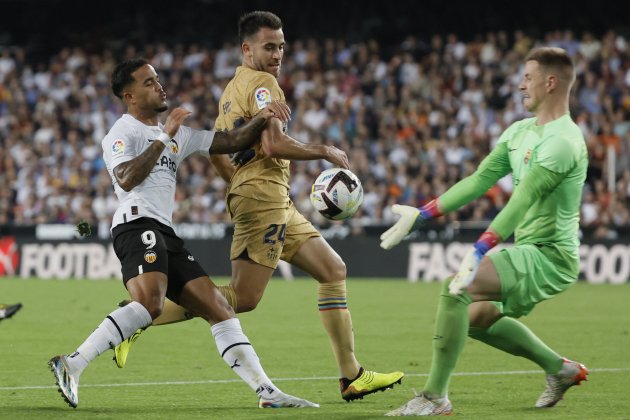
x: 150, y: 256
x: 263, y: 97
x: 191, y: 258
x: 167, y: 162
x: 118, y: 147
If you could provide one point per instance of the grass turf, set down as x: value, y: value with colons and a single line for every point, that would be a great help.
x: 175, y: 372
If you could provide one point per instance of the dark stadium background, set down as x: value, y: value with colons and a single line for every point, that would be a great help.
x: 46, y: 26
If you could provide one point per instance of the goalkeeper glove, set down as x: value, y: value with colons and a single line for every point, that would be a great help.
x: 470, y: 264
x: 411, y: 219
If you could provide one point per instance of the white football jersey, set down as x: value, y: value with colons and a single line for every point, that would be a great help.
x: 155, y: 196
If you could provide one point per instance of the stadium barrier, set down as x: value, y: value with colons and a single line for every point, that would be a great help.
x: 428, y: 257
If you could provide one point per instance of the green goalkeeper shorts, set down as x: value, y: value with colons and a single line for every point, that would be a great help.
x: 528, y: 276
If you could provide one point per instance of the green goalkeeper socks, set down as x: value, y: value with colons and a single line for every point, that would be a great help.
x: 512, y: 336
x: 451, y: 329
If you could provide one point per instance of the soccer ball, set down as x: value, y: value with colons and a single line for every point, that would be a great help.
x: 337, y: 194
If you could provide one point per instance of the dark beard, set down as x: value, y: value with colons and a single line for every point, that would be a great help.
x: 161, y: 108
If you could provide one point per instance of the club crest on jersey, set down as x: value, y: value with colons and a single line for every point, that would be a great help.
x: 118, y: 147
x: 528, y: 156
x: 263, y: 97
x: 174, y: 147
x: 150, y: 256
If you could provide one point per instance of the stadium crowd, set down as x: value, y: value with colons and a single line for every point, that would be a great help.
x: 414, y: 118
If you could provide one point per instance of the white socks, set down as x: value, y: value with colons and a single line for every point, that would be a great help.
x: 235, y: 348
x: 118, y: 326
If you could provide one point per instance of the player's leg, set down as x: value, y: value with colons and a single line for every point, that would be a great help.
x: 307, y: 250
x: 120, y: 324
x: 146, y: 282
x: 528, y: 276
x: 259, y: 231
x: 488, y: 325
x: 451, y: 329
x: 171, y: 313
x: 249, y: 281
x: 201, y: 296
x: 321, y: 262
x: 255, y: 251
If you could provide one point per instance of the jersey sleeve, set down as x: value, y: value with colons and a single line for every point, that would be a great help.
x: 120, y: 145
x: 538, y: 182
x: 194, y: 141
x: 262, y: 91
x: 556, y: 154
x: 494, y: 167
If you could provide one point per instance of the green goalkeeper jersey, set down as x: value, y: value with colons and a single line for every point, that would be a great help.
x: 548, y: 165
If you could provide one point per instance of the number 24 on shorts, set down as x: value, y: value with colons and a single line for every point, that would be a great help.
x: 272, y: 231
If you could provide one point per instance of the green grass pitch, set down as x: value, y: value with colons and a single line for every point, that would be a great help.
x: 175, y: 372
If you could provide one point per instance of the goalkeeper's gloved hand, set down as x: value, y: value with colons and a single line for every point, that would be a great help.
x: 411, y: 219
x: 470, y: 264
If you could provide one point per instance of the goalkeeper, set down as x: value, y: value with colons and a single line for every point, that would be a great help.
x: 547, y: 157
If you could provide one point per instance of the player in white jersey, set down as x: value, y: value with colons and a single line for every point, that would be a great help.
x: 142, y: 157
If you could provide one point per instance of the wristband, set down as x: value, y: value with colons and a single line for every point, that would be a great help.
x: 164, y: 138
x: 486, y: 242
x: 430, y: 210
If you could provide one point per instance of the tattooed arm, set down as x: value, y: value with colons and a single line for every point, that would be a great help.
x: 244, y: 136
x: 131, y: 173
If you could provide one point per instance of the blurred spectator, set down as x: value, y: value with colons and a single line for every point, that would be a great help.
x: 414, y: 117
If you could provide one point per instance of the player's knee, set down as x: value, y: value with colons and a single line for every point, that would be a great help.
x: 246, y: 306
x: 248, y: 303
x: 341, y: 271
x: 336, y: 272
x: 153, y: 307
x: 154, y: 310
x: 463, y: 297
x: 480, y: 320
x: 483, y: 314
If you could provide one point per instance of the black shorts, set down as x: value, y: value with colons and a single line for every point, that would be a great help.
x: 145, y: 245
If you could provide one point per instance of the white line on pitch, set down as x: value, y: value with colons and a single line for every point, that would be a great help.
x: 312, y: 378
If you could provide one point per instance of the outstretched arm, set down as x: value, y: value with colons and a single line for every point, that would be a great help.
x: 491, y: 169
x: 495, y: 166
x: 277, y: 144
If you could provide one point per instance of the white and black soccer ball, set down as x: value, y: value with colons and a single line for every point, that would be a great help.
x: 337, y: 194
